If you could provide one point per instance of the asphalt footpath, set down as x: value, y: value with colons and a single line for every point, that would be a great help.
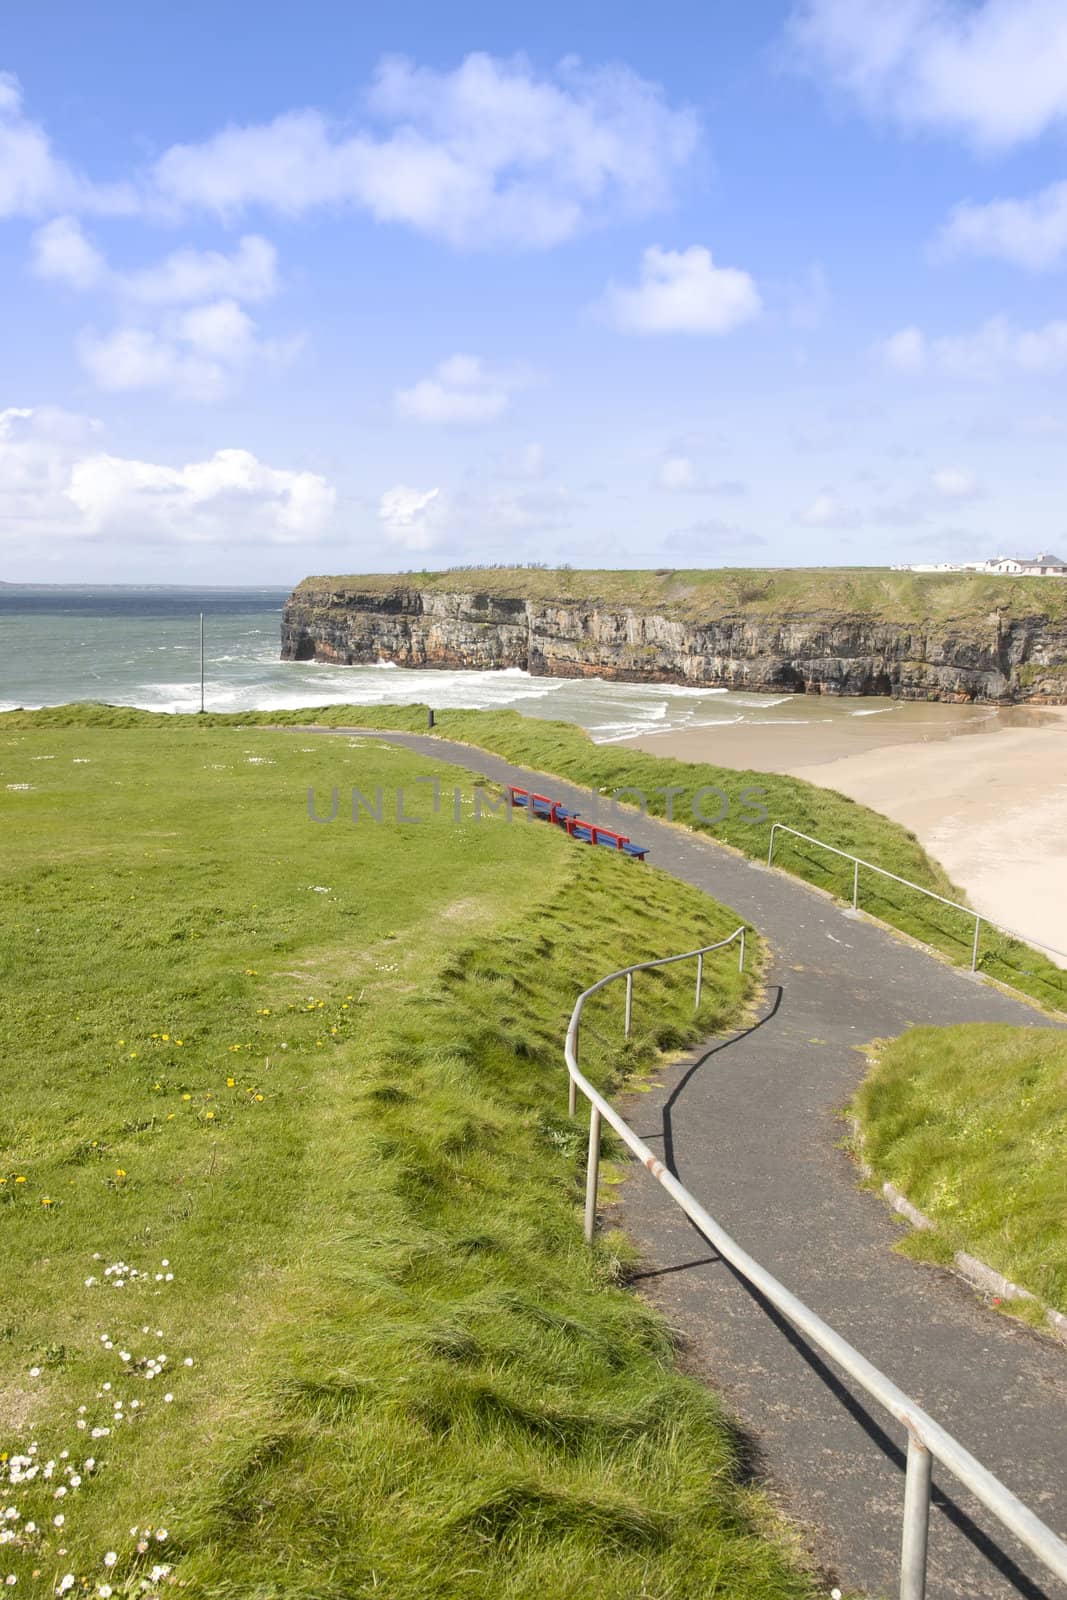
x: 750, y: 1123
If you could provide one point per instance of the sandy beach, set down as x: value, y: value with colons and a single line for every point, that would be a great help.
x: 985, y: 789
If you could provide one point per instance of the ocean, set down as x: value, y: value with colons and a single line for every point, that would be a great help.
x: 141, y: 647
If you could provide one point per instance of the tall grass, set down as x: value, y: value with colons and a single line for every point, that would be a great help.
x: 850, y: 594
x: 315, y: 1075
x: 561, y: 749
x: 970, y: 1122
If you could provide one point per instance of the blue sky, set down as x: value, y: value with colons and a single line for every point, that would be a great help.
x: 357, y: 288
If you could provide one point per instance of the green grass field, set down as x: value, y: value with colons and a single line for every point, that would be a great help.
x: 296, y: 1301
x: 970, y: 1122
x: 559, y: 748
x: 874, y: 593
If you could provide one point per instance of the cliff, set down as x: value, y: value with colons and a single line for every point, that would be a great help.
x: 929, y: 636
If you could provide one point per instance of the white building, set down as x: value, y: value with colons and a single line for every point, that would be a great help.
x: 1044, y: 565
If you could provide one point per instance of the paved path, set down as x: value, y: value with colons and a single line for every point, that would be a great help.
x: 748, y: 1123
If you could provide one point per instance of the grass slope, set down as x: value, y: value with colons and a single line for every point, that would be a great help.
x: 970, y: 1122
x: 873, y: 593
x: 560, y: 748
x: 296, y: 1299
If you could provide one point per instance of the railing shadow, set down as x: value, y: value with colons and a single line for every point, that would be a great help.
x: 776, y: 991
x: 982, y: 1542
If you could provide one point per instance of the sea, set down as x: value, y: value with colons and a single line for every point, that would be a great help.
x: 124, y: 645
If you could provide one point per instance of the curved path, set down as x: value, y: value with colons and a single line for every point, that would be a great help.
x: 748, y: 1123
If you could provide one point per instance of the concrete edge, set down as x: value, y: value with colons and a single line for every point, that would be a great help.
x: 981, y: 1277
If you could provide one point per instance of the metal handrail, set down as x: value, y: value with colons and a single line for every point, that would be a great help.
x: 858, y: 862
x: 927, y: 1439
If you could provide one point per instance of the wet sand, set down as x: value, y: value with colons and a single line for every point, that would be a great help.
x: 984, y: 789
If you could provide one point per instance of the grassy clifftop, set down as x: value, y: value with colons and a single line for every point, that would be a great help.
x: 874, y: 592
x: 971, y: 1123
x: 567, y: 752
x: 299, y: 1090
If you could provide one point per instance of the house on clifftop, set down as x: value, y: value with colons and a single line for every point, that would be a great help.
x: 1044, y: 565
x: 1039, y: 566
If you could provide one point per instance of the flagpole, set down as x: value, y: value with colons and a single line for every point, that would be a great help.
x: 201, y: 663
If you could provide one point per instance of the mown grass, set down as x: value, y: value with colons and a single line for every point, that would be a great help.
x: 970, y: 1122
x: 951, y: 599
x: 314, y: 1073
x: 561, y: 749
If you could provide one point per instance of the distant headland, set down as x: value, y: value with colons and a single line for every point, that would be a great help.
x: 959, y: 636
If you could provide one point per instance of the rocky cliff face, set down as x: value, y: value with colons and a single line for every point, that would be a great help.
x: 996, y: 659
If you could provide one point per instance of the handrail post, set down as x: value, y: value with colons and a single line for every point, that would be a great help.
x: 927, y: 1440
x: 700, y: 979
x: 856, y: 885
x: 916, y: 1521
x: 974, y: 947
x: 741, y: 957
x: 629, y: 1004
x: 572, y: 1090
x: 770, y: 847
x: 592, y: 1174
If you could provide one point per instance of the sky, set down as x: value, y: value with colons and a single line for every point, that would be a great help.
x: 342, y: 288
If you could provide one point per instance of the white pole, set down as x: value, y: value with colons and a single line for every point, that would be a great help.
x: 201, y: 662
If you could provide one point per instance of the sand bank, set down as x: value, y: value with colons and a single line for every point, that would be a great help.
x: 985, y: 790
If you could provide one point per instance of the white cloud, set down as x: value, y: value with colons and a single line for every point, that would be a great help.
x: 827, y: 511
x: 905, y: 351
x: 37, y: 445
x: 1029, y: 233
x: 411, y: 517
x: 897, y: 505
x: 993, y: 71
x: 677, y: 475
x: 56, y: 481
x: 62, y: 251
x: 205, y: 501
x: 490, y: 153
x: 250, y: 274
x: 954, y: 483
x: 996, y: 348
x: 517, y: 508
x: 461, y: 390
x: 531, y: 462
x: 198, y: 354
x: 33, y: 179
x: 682, y: 291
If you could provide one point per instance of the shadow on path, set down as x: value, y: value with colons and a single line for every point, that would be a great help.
x: 954, y: 1513
x: 776, y: 994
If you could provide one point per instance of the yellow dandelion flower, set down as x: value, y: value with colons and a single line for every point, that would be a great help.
x: 187, y: 1097
x: 20, y: 1180
x: 209, y: 1115
x: 120, y: 1172
x: 231, y: 1083
x: 45, y: 1201
x: 259, y: 1097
